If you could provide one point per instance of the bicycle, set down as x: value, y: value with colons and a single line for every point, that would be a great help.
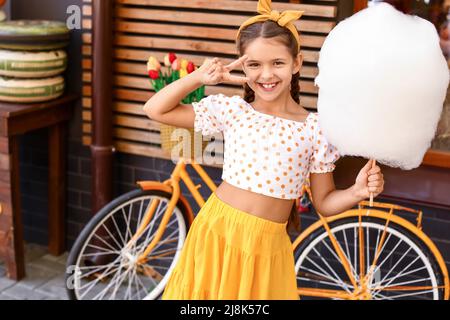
x: 130, y: 247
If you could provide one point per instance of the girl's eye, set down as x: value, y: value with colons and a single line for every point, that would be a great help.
x: 279, y: 63
x: 256, y: 64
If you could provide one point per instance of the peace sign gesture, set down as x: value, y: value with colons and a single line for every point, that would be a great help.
x: 214, y: 72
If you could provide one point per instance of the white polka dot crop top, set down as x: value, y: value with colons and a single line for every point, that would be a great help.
x: 263, y: 153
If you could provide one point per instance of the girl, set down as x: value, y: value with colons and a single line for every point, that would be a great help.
x: 237, y: 246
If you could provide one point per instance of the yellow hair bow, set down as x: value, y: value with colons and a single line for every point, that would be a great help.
x: 284, y: 19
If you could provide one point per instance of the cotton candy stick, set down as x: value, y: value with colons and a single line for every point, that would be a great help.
x: 371, y: 194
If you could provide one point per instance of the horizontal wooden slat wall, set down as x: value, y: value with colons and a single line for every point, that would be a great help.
x: 195, y: 30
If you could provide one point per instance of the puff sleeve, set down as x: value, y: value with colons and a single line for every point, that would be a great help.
x: 324, y: 154
x: 210, y: 114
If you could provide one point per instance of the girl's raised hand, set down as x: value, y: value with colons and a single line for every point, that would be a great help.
x: 213, y: 72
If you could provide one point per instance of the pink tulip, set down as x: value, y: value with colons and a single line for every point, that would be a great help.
x: 176, y: 65
x: 169, y: 59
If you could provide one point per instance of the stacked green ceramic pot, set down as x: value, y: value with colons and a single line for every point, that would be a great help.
x: 32, y: 60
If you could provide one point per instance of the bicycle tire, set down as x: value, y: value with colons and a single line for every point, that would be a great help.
x: 320, y: 232
x: 102, y: 216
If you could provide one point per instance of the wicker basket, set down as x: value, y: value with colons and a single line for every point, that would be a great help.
x: 196, y: 148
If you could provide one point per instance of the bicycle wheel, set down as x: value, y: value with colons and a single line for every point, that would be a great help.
x: 405, y: 269
x: 99, y: 265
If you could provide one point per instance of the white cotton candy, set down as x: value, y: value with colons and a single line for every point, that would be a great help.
x: 382, y: 84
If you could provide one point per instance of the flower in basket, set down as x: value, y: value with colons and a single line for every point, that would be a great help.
x: 177, y: 68
x: 183, y: 66
x: 176, y: 64
x: 190, y: 67
x: 169, y: 59
x: 154, y: 72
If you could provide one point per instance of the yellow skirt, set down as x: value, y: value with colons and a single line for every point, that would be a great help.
x: 232, y: 255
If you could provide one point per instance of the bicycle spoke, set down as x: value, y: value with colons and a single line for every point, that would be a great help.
x: 105, y: 250
x: 102, y: 240
x: 136, y: 278
x: 141, y: 248
x: 347, y: 255
x: 161, y: 253
x: 337, y: 258
x: 368, y: 250
x: 104, y: 274
x: 86, y: 275
x: 400, y: 274
x: 337, y: 279
x: 326, y: 275
x: 382, y: 297
x: 396, y: 264
x: 149, y: 227
x: 397, y: 285
x: 389, y: 281
x: 129, y: 284
x: 355, y: 250
x: 109, y: 266
x: 165, y: 258
x: 111, y: 235
x: 376, y: 248
x: 320, y: 281
x: 159, y: 267
x: 94, y: 254
x: 139, y: 283
x: 102, y: 293
x: 410, y: 294
x: 119, y: 282
x: 138, y: 221
x: 316, y: 292
x: 92, y: 267
x: 160, y: 243
x: 127, y: 220
x: 382, y: 249
x: 118, y: 230
x: 151, y: 278
x: 383, y: 243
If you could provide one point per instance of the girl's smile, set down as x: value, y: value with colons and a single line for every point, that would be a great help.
x: 268, y: 86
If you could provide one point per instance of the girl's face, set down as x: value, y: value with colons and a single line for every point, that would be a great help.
x: 270, y: 67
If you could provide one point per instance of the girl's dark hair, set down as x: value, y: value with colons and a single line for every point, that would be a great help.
x: 271, y: 29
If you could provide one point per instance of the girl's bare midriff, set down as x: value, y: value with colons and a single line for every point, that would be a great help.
x: 270, y: 208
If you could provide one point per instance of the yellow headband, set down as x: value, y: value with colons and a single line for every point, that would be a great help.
x: 284, y: 19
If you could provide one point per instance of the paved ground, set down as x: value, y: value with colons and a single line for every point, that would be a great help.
x: 44, y: 280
